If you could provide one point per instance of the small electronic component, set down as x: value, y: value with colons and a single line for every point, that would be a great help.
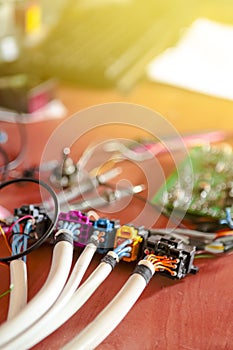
x: 82, y: 226
x: 105, y: 229
x: 172, y: 257
x: 137, y: 235
x: 202, y: 186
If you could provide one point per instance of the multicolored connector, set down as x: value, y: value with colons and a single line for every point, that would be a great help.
x: 170, y: 256
x: 136, y: 235
x: 105, y: 229
x: 82, y: 226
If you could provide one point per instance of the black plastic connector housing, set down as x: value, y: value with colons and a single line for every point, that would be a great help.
x: 175, y: 249
x: 42, y: 220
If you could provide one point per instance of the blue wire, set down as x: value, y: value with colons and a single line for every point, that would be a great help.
x: 123, y: 254
x: 17, y: 244
x: 16, y: 228
x: 19, y: 241
x: 27, y: 230
x: 25, y: 244
x: 65, y: 225
x: 70, y: 226
x: 75, y: 227
x: 126, y: 249
x: 14, y: 243
x: 228, y: 219
x: 122, y: 245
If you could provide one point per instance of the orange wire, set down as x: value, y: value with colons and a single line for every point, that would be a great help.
x: 5, y: 239
x: 162, y: 262
x: 163, y: 258
x: 155, y: 258
x: 173, y: 273
x: 225, y: 233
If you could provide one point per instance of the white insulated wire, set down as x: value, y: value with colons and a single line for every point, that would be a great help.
x: 111, y: 316
x: 47, y: 325
x: 43, y: 300
x: 76, y: 276
x: 19, y: 292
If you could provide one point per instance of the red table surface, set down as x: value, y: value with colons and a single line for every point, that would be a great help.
x: 193, y: 313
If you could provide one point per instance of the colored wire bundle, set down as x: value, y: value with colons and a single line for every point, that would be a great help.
x: 20, y: 239
x: 222, y: 243
x: 162, y: 263
x: 215, y: 243
x: 51, y: 227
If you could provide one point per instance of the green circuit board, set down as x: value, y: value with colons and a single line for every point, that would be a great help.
x: 202, y: 185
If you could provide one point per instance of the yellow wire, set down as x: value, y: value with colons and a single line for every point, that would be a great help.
x: 5, y: 239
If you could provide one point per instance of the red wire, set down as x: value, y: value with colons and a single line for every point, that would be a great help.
x: 19, y: 220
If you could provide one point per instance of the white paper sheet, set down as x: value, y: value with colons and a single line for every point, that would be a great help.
x: 201, y: 61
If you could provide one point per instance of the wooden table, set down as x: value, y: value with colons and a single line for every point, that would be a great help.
x: 195, y: 313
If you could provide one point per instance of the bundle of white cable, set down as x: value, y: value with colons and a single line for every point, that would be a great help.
x: 42, y: 301
x: 53, y: 320
x: 112, y: 315
x: 19, y: 292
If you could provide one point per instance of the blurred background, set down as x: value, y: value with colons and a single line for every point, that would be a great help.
x: 97, y: 43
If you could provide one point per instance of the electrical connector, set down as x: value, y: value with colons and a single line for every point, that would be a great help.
x: 137, y: 235
x: 82, y: 226
x: 105, y: 230
x: 171, y: 256
x: 42, y: 220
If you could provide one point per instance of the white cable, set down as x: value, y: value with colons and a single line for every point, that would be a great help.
x: 75, y: 277
x: 112, y: 315
x: 42, y: 301
x: 47, y: 325
x: 18, y: 295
